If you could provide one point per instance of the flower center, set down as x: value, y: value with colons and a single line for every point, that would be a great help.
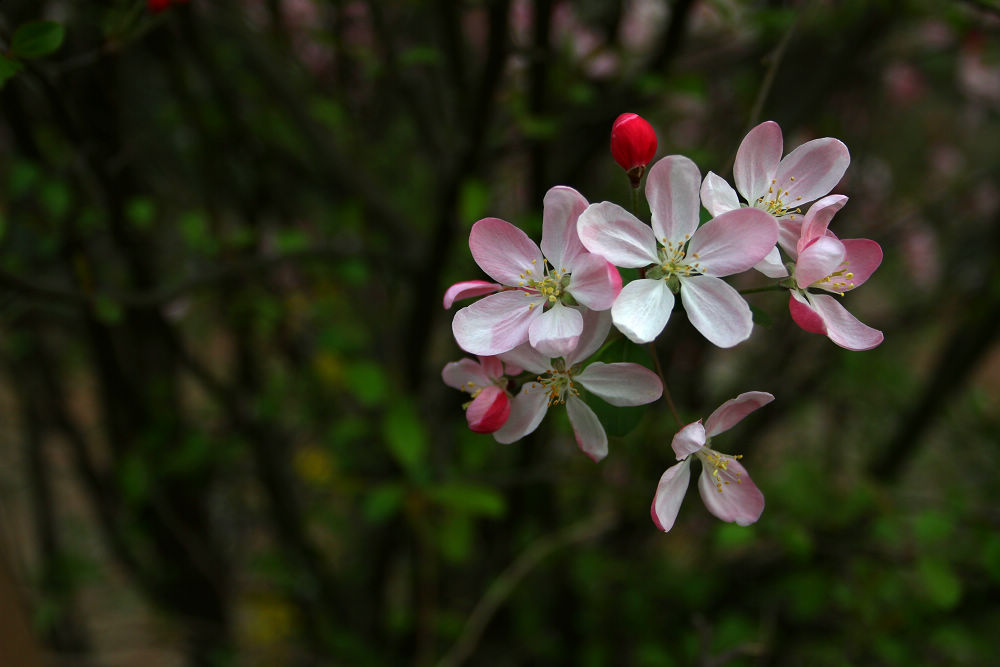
x: 839, y: 281
x: 774, y: 201
x: 550, y: 283
x: 719, y: 462
x: 558, y: 382
x: 673, y: 261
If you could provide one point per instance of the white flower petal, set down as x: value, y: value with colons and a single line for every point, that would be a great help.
x: 772, y: 266
x: 459, y: 375
x: 811, y: 170
x: 688, y: 440
x: 732, y: 496
x: 669, y: 494
x: 503, y: 251
x: 526, y: 357
x: 595, y: 282
x: 555, y: 333
x: 587, y: 429
x: 843, y: 328
x: 733, y: 242
x: 560, y: 209
x: 610, y: 231
x: 717, y: 195
x: 642, y: 309
x: 672, y: 188
x: 734, y: 410
x: 497, y: 323
x: 596, y: 325
x: 757, y: 160
x: 526, y: 412
x: 621, y: 383
x: 717, y: 310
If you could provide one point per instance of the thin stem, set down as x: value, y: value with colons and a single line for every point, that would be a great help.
x: 666, y: 390
x: 635, y: 201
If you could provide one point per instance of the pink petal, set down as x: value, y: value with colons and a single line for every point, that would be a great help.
x: 528, y: 358
x: 492, y: 367
x: 555, y: 333
x: 772, y: 266
x: 757, y: 160
x: 642, y: 309
x: 489, y: 410
x: 817, y: 220
x: 734, y: 410
x: 497, y: 323
x: 669, y: 495
x: 621, y: 383
x: 735, y: 498
x: 843, y: 328
x: 560, y: 209
x: 717, y: 195
x: 616, y: 235
x: 689, y: 440
x: 468, y: 289
x: 595, y: 282
x: 590, y: 435
x: 811, y: 171
x: 733, y: 242
x: 818, y: 260
x: 596, y: 325
x: 717, y: 310
x: 465, y: 375
x: 504, y: 252
x: 863, y: 257
x: 526, y: 412
x: 804, y: 315
x: 672, y: 189
x: 789, y: 232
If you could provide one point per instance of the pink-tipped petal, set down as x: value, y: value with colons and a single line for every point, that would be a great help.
x: 757, y: 160
x: 497, y: 323
x: 811, y: 171
x: 670, y: 492
x: 717, y: 195
x: 489, y: 410
x: 595, y: 282
x: 843, y: 328
x: 672, y: 190
x: 734, y: 410
x: 610, y: 231
x: 621, y: 383
x: 733, y: 242
x: 465, y: 375
x: 556, y: 332
x: 468, y: 289
x: 504, y: 252
x: 587, y: 429
x: 804, y: 315
x: 817, y: 219
x: 689, y: 440
x: 716, y: 310
x: 560, y: 209
x: 772, y: 266
x: 789, y: 232
x: 526, y: 412
x: 642, y: 309
x: 596, y: 325
x: 526, y: 357
x: 818, y: 260
x: 863, y: 256
x: 732, y: 496
x: 492, y: 367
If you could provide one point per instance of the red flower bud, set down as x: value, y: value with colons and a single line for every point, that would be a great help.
x: 489, y: 410
x: 633, y: 145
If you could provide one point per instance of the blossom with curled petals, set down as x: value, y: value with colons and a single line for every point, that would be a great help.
x: 537, y: 294
x: 779, y: 185
x: 724, y: 485
x: 559, y: 382
x: 824, y: 262
x: 485, y: 380
x: 679, y: 256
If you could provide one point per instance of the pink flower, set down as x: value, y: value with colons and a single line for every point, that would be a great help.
x: 633, y: 145
x: 486, y: 382
x: 559, y: 382
x: 691, y: 259
x: 780, y: 186
x: 724, y: 485
x: 827, y: 263
x: 537, y: 303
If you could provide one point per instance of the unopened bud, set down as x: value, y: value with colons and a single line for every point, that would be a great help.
x: 633, y: 145
x: 489, y: 410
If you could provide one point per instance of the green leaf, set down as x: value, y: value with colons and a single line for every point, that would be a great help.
x: 383, y: 502
x: 37, y: 39
x: 473, y: 200
x: 469, y: 499
x: 8, y: 68
x: 620, y: 421
x: 941, y: 586
x: 140, y: 212
x: 366, y: 380
x: 405, y: 436
x: 107, y: 311
x: 760, y: 317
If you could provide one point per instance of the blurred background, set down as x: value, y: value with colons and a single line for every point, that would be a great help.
x: 224, y: 440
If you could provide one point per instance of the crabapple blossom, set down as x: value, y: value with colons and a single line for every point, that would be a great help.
x: 689, y: 259
x: 724, y: 485
x: 780, y: 186
x: 824, y: 262
x: 633, y: 145
x: 485, y: 381
x: 559, y: 381
x: 537, y: 293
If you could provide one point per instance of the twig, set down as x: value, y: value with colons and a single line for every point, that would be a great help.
x: 503, y: 586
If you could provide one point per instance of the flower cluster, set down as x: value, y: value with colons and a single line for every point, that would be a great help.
x: 540, y: 326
